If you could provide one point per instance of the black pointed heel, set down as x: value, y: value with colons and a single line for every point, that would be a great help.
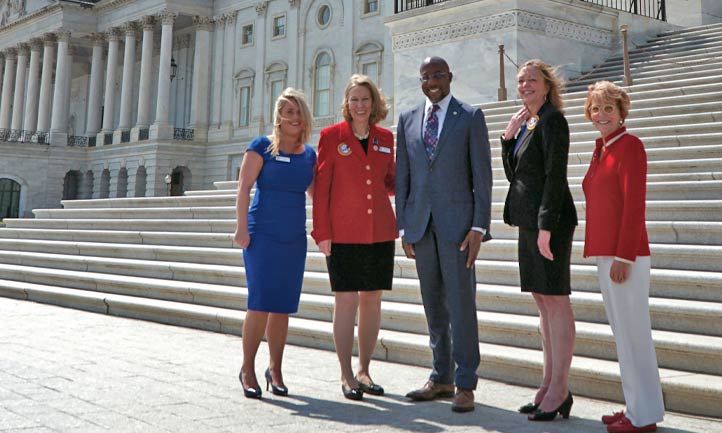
x: 529, y: 408
x: 276, y: 390
x: 372, y: 389
x: 564, y: 410
x: 249, y: 392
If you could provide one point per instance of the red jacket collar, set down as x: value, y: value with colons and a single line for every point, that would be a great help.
x: 614, y: 135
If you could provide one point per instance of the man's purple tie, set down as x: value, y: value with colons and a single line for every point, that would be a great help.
x: 431, y: 132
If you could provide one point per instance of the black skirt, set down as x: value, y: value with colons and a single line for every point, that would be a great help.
x: 539, y: 275
x: 361, y: 267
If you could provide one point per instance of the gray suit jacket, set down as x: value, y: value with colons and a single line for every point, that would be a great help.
x: 454, y: 188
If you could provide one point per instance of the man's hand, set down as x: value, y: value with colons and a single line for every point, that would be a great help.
x: 472, y: 241
x: 408, y: 249
x: 619, y: 272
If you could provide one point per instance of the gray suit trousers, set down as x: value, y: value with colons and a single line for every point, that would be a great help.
x: 448, y: 290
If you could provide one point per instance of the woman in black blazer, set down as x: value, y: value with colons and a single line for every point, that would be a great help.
x: 535, y: 148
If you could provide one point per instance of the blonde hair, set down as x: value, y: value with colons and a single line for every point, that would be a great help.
x: 604, y: 91
x: 554, y: 83
x: 289, y: 95
x: 379, y: 108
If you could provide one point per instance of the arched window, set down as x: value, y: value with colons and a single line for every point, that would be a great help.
x: 322, y: 86
x: 9, y: 198
x: 180, y: 180
x: 71, y: 185
x: 122, y: 183
x: 86, y: 188
x: 105, y: 183
x: 140, y: 179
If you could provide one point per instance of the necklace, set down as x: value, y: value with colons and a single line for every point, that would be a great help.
x: 361, y: 136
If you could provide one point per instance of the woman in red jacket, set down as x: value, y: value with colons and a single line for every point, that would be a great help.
x: 616, y: 234
x: 354, y: 225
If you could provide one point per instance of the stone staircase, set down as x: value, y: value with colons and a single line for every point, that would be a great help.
x: 172, y: 260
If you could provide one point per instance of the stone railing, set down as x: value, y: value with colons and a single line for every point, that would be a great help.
x: 183, y: 134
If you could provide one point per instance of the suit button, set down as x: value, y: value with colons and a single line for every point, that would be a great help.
x: 368, y: 181
x: 370, y: 211
x: 368, y: 167
x: 368, y: 196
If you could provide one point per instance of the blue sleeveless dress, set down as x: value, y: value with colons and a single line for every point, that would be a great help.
x: 276, y: 256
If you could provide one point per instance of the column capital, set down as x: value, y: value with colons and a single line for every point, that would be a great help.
x: 11, y: 54
x: 113, y: 34
x: 148, y: 22
x: 36, y: 44
x: 261, y: 7
x: 167, y: 16
x: 22, y: 49
x: 63, y: 36
x: 49, y: 39
x: 293, y: 3
x: 129, y: 28
x: 230, y: 17
x: 202, y: 23
x: 98, y: 39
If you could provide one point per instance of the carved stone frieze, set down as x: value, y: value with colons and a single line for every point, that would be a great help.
x: 509, y: 20
x: 10, y: 10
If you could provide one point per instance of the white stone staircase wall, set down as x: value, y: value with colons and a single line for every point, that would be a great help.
x: 172, y: 260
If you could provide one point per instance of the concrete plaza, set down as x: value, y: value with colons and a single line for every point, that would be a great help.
x: 64, y: 370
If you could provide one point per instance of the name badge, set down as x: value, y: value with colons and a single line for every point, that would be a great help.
x: 383, y: 149
x: 280, y: 158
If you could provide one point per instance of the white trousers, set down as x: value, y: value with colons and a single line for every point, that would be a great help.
x: 627, y: 307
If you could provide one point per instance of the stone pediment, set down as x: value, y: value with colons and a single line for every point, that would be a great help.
x: 11, y: 10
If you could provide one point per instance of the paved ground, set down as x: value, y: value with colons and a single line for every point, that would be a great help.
x: 63, y: 370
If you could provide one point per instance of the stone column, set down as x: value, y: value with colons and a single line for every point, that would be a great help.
x: 8, y: 87
x: 95, y: 87
x: 109, y: 101
x: 201, y: 78
x: 31, y: 104
x: 217, y: 71
x: 68, y: 83
x: 126, y: 92
x: 46, y: 84
x: 146, y: 76
x: 181, y: 80
x: 292, y: 30
x: 162, y: 129
x: 229, y: 60
x: 21, y: 75
x: 58, y: 124
x: 258, y: 110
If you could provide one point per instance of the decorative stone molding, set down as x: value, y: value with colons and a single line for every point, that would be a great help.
x: 10, y: 54
x: 36, y: 44
x: 8, y: 28
x: 294, y: 3
x: 203, y: 23
x: 23, y: 49
x: 49, y: 39
x: 97, y: 38
x: 63, y: 36
x: 148, y: 22
x: 262, y: 7
x: 11, y: 10
x: 113, y: 34
x: 231, y: 17
x: 509, y: 20
x: 167, y: 16
x: 129, y: 28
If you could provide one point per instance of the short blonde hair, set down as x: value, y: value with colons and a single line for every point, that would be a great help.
x: 606, y: 92
x: 290, y: 95
x: 379, y: 108
x: 554, y: 83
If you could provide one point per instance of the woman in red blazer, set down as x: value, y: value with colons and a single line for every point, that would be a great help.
x: 354, y: 225
x: 616, y: 234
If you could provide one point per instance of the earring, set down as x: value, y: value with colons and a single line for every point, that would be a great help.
x: 621, y: 122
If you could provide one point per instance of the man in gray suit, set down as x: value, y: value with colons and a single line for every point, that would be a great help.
x: 443, y: 209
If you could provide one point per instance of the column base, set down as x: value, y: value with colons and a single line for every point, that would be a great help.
x: 161, y: 131
x: 100, y: 138
x: 58, y: 138
x: 135, y: 133
x: 121, y: 136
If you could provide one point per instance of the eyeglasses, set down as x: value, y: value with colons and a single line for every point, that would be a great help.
x: 608, y: 109
x: 434, y: 76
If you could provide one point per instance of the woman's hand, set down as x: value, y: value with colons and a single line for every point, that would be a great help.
x: 514, y: 125
x: 241, y: 238
x: 543, y: 243
x: 619, y: 272
x: 325, y: 247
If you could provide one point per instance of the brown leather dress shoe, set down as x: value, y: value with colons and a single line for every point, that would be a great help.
x: 463, y: 400
x: 432, y: 390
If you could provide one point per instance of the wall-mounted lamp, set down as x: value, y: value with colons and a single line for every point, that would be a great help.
x: 173, y: 68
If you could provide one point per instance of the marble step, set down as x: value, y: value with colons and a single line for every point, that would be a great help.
x: 593, y: 339
x: 684, y: 391
x: 642, y: 75
x: 688, y: 32
x: 669, y: 283
x: 702, y: 54
x: 148, y: 238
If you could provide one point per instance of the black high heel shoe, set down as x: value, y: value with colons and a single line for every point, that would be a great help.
x: 276, y: 390
x: 249, y: 392
x: 352, y: 393
x: 564, y: 409
x: 372, y: 389
x: 529, y: 408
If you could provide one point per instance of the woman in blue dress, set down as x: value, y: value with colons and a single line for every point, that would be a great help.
x: 272, y: 233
